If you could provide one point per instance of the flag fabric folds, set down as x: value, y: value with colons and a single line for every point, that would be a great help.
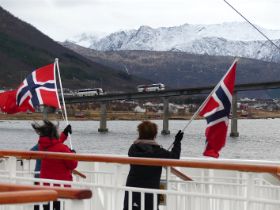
x: 39, y: 88
x: 8, y: 103
x: 216, y: 110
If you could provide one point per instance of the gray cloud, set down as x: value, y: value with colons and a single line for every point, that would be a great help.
x: 62, y: 19
x: 74, y: 3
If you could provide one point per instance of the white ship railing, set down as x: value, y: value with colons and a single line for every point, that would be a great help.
x: 215, y: 185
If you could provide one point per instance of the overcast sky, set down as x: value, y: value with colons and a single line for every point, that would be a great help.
x: 62, y: 19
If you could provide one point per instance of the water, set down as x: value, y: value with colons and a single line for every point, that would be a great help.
x: 259, y: 139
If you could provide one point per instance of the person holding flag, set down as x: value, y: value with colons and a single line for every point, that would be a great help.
x: 62, y: 138
x: 56, y: 169
x: 50, y: 141
x: 148, y: 176
x: 39, y: 89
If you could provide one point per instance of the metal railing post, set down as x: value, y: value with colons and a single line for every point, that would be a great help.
x: 12, y: 168
x: 26, y: 167
x: 12, y: 171
x: 168, y: 177
x: 75, y: 204
x: 117, y: 183
x: 250, y: 191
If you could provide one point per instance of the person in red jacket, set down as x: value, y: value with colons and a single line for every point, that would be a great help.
x: 62, y: 139
x: 50, y: 141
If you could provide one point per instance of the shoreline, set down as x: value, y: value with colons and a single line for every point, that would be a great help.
x: 133, y: 116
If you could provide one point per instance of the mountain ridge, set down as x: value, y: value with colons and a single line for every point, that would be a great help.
x: 227, y: 39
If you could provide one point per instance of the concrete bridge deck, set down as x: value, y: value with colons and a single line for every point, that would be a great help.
x: 103, y: 99
x: 167, y: 93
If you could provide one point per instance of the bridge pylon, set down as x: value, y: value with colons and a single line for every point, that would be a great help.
x: 165, y: 127
x: 103, y: 118
x: 234, y: 129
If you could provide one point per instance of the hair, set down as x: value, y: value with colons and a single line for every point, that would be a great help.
x: 147, y: 130
x: 48, y: 129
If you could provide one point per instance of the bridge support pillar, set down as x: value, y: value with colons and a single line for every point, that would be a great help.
x: 46, y: 111
x: 165, y: 127
x: 234, y: 131
x: 103, y: 118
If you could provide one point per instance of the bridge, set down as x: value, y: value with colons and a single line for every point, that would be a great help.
x: 165, y: 95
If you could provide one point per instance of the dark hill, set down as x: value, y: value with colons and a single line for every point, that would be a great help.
x: 23, y: 48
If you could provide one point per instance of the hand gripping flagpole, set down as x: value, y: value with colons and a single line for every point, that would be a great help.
x: 63, y: 102
x: 206, y: 100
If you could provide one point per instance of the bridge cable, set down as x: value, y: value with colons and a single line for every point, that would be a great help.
x: 253, y: 25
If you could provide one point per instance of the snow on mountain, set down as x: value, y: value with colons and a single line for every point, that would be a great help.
x: 234, y: 39
x: 86, y: 39
x: 262, y: 50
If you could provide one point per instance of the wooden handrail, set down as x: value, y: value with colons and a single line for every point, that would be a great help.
x: 78, y: 173
x: 277, y: 176
x: 28, y: 196
x: 209, y: 164
x: 180, y: 174
x: 66, y: 193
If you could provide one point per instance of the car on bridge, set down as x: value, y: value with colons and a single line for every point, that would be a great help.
x: 151, y: 87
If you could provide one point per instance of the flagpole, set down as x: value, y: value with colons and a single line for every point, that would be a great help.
x: 63, y: 102
x: 206, y: 100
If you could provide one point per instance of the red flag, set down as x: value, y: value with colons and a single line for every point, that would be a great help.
x: 39, y: 88
x: 216, y: 110
x: 8, y: 103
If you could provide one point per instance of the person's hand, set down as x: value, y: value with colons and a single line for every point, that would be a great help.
x: 67, y: 130
x: 179, y: 136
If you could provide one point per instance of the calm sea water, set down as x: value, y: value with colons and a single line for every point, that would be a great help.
x: 259, y: 139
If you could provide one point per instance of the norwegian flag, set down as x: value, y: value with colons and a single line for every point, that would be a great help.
x: 216, y: 110
x: 39, y: 88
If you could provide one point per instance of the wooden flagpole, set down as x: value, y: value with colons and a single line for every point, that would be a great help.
x: 63, y: 102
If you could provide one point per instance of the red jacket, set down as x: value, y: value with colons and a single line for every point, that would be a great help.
x: 56, y: 168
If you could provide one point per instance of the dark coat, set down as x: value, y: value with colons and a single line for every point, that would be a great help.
x: 147, y: 176
x: 56, y: 168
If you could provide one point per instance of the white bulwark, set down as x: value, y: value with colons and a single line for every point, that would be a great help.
x: 198, y: 184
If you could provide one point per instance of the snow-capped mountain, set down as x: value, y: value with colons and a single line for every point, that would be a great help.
x: 232, y: 39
